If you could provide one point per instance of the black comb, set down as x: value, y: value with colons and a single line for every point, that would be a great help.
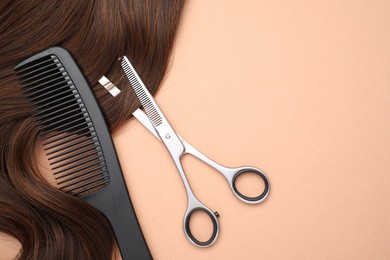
x: 78, y: 144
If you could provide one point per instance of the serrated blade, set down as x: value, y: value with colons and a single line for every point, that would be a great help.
x: 142, y: 92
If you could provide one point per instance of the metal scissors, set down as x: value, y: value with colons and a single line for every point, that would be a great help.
x: 155, y: 121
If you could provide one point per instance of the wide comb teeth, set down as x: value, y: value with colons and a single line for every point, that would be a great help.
x: 69, y: 138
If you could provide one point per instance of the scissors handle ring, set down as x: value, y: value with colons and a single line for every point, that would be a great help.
x: 213, y: 216
x: 247, y: 199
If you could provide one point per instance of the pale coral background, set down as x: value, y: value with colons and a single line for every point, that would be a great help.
x: 300, y: 89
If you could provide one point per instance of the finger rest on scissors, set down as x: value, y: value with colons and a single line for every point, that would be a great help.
x: 191, y: 237
x: 248, y: 199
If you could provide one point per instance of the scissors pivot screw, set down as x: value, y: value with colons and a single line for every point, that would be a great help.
x: 167, y: 136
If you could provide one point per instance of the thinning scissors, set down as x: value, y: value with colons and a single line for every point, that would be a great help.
x: 155, y: 121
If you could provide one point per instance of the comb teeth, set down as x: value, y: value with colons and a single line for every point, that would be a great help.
x: 70, y: 139
x: 141, y: 92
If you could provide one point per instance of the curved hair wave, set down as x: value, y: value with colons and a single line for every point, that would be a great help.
x: 48, y: 223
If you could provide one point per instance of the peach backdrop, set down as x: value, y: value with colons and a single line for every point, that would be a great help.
x: 300, y: 89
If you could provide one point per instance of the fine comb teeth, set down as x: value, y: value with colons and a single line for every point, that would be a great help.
x: 67, y: 132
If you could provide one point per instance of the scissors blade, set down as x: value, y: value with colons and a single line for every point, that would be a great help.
x: 160, y: 124
x: 143, y: 118
x: 151, y: 108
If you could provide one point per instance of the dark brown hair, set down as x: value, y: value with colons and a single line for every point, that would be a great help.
x: 48, y: 223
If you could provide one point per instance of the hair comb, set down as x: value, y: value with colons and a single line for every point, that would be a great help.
x: 77, y: 143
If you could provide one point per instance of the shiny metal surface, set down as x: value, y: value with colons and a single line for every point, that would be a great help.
x: 229, y: 173
x: 109, y: 86
x: 155, y: 121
